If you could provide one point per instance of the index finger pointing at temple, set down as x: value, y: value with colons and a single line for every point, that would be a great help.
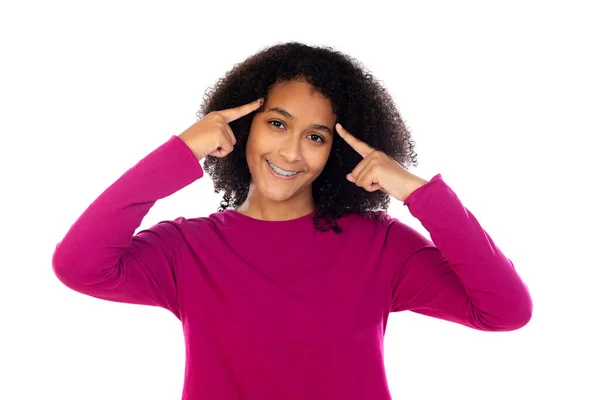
x: 231, y: 114
x: 361, y: 147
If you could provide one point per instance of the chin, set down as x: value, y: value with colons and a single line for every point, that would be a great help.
x: 277, y: 195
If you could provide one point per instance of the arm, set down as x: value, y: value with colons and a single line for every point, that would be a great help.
x: 462, y: 276
x: 100, y: 257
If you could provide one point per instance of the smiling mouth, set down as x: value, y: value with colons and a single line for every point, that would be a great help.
x: 280, y: 171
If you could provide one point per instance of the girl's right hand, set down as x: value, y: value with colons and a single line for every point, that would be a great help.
x: 212, y: 134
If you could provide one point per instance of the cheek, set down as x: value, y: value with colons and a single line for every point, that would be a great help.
x: 251, y: 146
x: 317, y: 159
x: 258, y: 143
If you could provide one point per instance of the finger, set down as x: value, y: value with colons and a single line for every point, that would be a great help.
x: 374, y: 187
x: 368, y: 179
x: 359, y: 176
x: 361, y: 147
x: 230, y: 135
x: 225, y: 147
x: 353, y: 176
x: 231, y: 114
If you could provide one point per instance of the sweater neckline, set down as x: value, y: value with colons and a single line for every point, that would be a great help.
x: 247, y: 219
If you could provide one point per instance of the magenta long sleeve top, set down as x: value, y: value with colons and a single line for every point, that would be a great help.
x: 278, y: 309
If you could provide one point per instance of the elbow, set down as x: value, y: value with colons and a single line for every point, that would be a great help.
x: 63, y: 273
x: 518, y: 315
x: 518, y: 322
x: 523, y: 315
x: 63, y: 267
x: 519, y: 309
x: 58, y: 263
x: 508, y: 315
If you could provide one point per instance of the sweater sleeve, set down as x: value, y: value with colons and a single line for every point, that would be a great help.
x: 101, y: 257
x: 462, y: 276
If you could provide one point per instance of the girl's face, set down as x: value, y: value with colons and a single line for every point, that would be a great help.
x: 289, y: 141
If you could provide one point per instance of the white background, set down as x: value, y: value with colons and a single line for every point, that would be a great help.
x: 501, y: 98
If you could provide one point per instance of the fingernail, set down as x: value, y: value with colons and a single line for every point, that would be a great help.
x: 260, y: 101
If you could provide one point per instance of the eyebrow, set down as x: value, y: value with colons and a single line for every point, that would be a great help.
x: 290, y: 116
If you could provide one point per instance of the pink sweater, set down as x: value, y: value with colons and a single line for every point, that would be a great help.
x: 278, y: 309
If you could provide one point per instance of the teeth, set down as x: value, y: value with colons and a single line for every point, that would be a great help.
x: 281, y: 171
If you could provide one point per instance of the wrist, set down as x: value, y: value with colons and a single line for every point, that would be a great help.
x: 414, y: 185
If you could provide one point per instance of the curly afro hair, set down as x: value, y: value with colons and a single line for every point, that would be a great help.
x: 361, y: 104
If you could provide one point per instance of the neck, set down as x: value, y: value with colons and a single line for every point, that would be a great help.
x: 261, y: 207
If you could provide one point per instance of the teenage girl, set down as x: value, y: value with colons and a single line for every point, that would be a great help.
x: 285, y: 291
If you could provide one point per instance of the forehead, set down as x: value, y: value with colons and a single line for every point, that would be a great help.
x: 302, y: 101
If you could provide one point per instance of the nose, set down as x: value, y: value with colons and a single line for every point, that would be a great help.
x: 290, y: 149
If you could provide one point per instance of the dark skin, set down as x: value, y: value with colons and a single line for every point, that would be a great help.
x: 301, y: 143
x: 297, y: 136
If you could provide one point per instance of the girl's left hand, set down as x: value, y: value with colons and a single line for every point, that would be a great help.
x: 378, y: 171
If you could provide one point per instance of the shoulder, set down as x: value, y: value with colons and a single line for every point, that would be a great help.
x: 180, y: 226
x: 212, y: 222
x: 373, y: 226
x: 378, y: 220
x: 397, y: 234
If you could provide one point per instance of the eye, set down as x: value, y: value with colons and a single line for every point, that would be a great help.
x: 275, y: 121
x: 316, y: 138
